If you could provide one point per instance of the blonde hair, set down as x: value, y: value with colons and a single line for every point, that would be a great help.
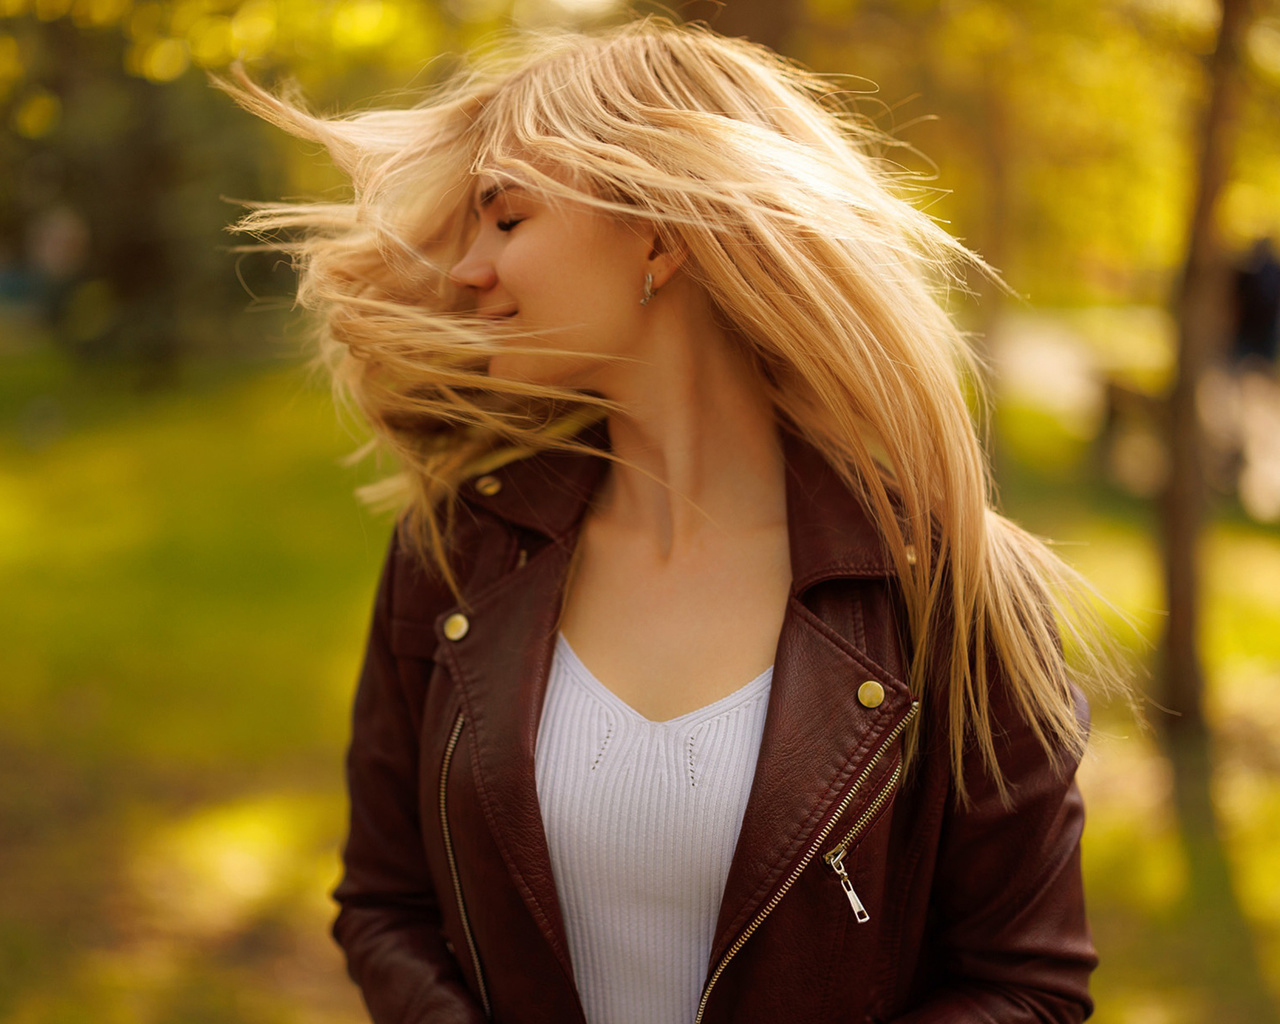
x: 801, y: 236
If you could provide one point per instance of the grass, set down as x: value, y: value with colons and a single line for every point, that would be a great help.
x: 186, y: 583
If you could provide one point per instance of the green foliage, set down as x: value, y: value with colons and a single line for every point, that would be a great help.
x: 126, y: 158
x: 185, y: 575
x: 187, y: 579
x: 1059, y: 135
x: 1058, y: 130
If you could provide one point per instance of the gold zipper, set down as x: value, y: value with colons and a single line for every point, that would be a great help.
x: 873, y: 808
x: 453, y: 864
x: 835, y: 856
x: 825, y: 831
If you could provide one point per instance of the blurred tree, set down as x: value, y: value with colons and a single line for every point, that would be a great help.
x: 1202, y: 304
x: 139, y: 164
x: 1055, y: 127
x: 122, y: 154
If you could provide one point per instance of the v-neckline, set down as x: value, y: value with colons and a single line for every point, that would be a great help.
x: 741, y: 695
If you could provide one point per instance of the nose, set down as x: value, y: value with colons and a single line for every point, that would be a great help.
x: 475, y: 270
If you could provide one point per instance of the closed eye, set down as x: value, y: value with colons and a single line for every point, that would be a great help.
x: 507, y: 225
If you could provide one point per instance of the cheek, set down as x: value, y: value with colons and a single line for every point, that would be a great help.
x: 588, y: 289
x: 609, y: 310
x: 617, y: 282
x: 579, y: 276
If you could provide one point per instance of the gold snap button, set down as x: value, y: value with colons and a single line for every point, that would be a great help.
x: 870, y: 694
x: 488, y: 485
x: 456, y: 626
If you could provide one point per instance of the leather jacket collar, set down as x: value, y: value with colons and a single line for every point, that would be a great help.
x: 831, y: 532
x: 817, y: 740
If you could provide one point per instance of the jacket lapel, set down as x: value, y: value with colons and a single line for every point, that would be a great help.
x: 816, y: 736
x: 501, y: 667
x: 502, y: 663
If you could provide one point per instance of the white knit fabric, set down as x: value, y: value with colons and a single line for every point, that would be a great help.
x: 641, y: 819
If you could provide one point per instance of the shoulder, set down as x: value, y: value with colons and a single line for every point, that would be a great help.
x: 413, y: 592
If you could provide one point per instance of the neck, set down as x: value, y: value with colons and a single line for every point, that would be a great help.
x: 698, y: 443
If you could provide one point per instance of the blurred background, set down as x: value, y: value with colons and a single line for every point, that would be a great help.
x: 185, y: 575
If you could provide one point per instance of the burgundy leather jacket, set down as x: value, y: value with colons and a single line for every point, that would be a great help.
x: 856, y: 893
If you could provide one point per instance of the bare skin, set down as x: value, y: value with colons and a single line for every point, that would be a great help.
x: 683, y: 576
x: 683, y: 571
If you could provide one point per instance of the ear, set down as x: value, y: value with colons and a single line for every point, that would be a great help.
x: 666, y: 255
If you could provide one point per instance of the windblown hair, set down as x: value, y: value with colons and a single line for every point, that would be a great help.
x: 798, y: 230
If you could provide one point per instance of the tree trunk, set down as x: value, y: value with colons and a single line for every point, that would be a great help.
x: 1225, y: 953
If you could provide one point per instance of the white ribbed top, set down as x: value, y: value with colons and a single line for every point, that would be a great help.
x: 641, y: 819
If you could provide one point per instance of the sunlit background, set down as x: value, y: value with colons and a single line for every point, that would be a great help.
x: 185, y: 575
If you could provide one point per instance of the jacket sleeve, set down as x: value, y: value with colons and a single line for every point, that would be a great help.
x: 1008, y: 898
x: 389, y: 921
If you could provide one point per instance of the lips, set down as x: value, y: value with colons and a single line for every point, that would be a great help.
x: 499, y: 314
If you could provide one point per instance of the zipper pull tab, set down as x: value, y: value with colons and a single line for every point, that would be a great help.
x: 859, y: 911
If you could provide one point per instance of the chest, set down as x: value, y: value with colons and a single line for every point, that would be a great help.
x: 670, y: 635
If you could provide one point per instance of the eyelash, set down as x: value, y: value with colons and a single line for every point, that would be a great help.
x: 507, y: 225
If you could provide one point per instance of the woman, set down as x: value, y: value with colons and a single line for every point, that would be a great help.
x: 704, y: 682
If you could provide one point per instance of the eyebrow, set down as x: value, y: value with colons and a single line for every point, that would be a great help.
x: 494, y: 191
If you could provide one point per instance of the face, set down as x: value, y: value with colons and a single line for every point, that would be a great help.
x: 567, y: 270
